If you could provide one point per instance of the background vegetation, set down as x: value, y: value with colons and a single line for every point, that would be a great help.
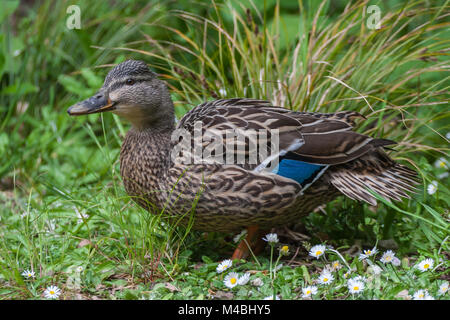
x: 62, y: 204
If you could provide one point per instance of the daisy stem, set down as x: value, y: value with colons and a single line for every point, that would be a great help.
x: 253, y: 255
x: 275, y: 266
x: 271, y: 257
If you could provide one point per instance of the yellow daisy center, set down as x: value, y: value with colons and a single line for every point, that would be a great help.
x: 225, y: 266
x: 356, y: 288
x: 308, y: 291
x: 368, y: 252
x: 388, y: 258
x: 325, y: 279
x: 442, y: 164
x: 52, y: 292
x: 426, y: 266
x: 318, y: 253
x: 233, y: 280
x: 285, y: 248
x: 421, y: 295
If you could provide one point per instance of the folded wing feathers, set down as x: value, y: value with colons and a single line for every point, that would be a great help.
x: 373, y: 171
x: 356, y: 161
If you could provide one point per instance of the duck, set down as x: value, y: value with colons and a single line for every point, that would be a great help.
x: 239, y: 163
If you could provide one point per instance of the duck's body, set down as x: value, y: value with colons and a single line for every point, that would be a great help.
x: 228, y: 197
x: 315, y: 157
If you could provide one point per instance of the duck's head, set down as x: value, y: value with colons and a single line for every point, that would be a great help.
x: 132, y: 91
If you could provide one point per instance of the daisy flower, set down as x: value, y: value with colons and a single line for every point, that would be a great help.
x: 284, y: 250
x: 422, y: 295
x: 432, y: 187
x: 441, y: 163
x: 244, y: 279
x: 52, y: 292
x: 224, y: 265
x: 355, y: 285
x: 336, y: 265
x: 425, y: 265
x: 376, y: 270
x: 271, y: 298
x: 396, y: 261
x: 79, y: 269
x: 317, y: 251
x: 309, y: 291
x: 387, y: 257
x: 326, y: 277
x: 443, y: 288
x: 231, y: 280
x: 367, y: 253
x: 271, y: 238
x: 257, y: 282
x: 28, y: 274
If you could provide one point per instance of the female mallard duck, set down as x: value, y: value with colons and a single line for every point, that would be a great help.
x: 314, y: 157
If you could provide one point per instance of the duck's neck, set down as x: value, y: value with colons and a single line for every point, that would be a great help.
x: 145, y: 160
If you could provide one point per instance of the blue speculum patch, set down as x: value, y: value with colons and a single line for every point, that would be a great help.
x: 297, y: 170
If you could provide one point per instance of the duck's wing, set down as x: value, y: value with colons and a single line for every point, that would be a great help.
x: 315, y: 138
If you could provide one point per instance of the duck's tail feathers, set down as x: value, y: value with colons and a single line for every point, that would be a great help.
x: 375, y: 171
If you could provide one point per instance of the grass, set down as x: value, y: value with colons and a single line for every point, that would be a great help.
x: 62, y: 203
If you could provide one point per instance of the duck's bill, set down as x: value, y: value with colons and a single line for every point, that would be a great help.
x: 91, y: 105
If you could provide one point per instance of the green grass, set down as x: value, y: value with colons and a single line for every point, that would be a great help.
x: 62, y: 203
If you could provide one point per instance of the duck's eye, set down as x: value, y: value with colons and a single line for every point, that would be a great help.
x: 130, y: 82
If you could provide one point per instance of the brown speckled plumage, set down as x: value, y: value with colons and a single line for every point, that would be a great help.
x: 229, y: 197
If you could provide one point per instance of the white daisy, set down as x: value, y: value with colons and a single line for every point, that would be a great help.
x: 443, y: 288
x: 396, y: 261
x: 28, y: 274
x: 309, y: 291
x: 432, y: 187
x: 224, y: 265
x: 79, y: 269
x: 387, y: 257
x: 425, y: 265
x: 317, y: 251
x: 271, y: 238
x: 376, y: 270
x: 336, y: 265
x: 325, y: 277
x: 244, y: 279
x: 231, y: 280
x: 271, y: 298
x: 367, y: 253
x: 441, y: 163
x: 257, y: 282
x: 52, y: 292
x: 422, y: 294
x: 355, y: 285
